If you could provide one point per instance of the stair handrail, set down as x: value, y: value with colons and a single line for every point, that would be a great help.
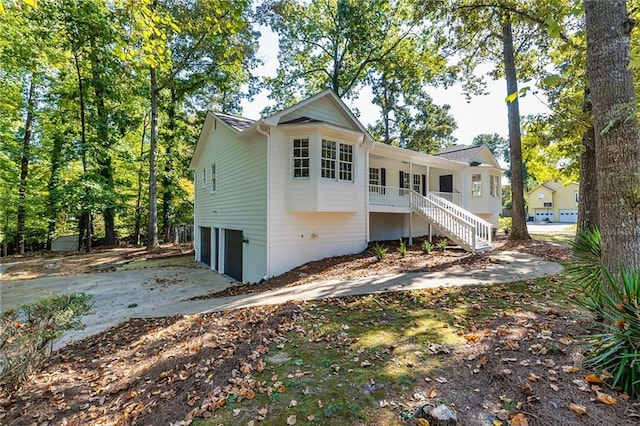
x: 477, y: 227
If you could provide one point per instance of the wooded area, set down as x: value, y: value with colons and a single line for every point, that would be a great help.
x: 103, y: 101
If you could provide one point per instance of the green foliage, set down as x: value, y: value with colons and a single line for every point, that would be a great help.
x: 504, y: 223
x: 426, y: 247
x: 615, y: 346
x: 26, y: 334
x: 380, y: 251
x: 587, y: 268
x: 402, y: 248
x: 442, y: 245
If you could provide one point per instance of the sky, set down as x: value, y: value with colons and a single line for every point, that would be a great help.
x: 482, y: 114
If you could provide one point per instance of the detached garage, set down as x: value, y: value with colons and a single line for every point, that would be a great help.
x: 568, y: 215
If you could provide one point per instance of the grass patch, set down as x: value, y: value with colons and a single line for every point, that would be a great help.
x: 358, y: 353
x: 564, y: 237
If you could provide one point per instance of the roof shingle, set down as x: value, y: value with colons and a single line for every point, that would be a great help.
x: 462, y: 153
x: 238, y: 123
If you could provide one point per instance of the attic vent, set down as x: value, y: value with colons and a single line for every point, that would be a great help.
x: 475, y: 163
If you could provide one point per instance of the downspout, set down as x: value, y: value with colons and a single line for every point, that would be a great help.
x: 267, y: 133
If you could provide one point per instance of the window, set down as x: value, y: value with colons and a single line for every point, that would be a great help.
x: 374, y: 176
x: 577, y: 196
x: 328, y: 164
x: 301, y: 158
x: 417, y: 183
x: 330, y: 159
x: 476, y: 185
x: 204, y: 177
x: 346, y: 162
x: 213, y: 177
x: 494, y: 189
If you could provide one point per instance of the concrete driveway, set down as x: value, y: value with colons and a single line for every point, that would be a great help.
x: 120, y: 295
x: 541, y: 227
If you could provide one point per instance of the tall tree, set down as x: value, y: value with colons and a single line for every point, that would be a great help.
x: 617, y: 138
x: 333, y: 43
x: 512, y: 35
x: 155, y: 27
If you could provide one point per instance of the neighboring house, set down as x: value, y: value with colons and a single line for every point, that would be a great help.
x: 554, y: 202
x: 310, y: 182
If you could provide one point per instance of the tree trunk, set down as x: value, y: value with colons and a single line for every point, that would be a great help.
x: 104, y: 159
x: 617, y: 138
x: 54, y: 181
x: 519, y: 224
x: 138, y: 221
x: 588, y: 201
x: 24, y: 167
x: 167, y: 178
x: 152, y: 242
x: 86, y: 215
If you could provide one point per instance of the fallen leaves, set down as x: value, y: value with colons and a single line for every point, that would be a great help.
x: 577, y: 408
x: 605, y: 398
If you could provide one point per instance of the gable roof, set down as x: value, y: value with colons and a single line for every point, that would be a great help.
x: 462, y: 153
x: 328, y: 95
x: 474, y: 155
x: 237, y: 123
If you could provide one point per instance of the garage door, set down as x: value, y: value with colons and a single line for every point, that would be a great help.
x: 205, y: 246
x: 569, y: 215
x: 544, y: 215
x: 233, y: 254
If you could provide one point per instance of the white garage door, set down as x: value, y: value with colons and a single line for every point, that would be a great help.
x: 544, y: 215
x: 569, y: 215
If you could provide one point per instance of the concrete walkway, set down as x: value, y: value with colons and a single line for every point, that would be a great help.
x: 164, y: 291
x: 506, y: 267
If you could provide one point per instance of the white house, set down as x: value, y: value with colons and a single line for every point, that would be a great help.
x: 310, y: 182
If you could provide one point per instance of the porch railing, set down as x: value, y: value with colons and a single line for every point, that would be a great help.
x: 389, y: 196
x: 463, y: 227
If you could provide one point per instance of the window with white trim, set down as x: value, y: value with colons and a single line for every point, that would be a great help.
x: 301, y: 158
x: 577, y: 196
x: 346, y: 162
x: 204, y: 177
x: 328, y: 162
x: 338, y: 156
x: 476, y: 185
x: 494, y: 186
x: 374, y: 176
x: 213, y: 177
x: 417, y: 183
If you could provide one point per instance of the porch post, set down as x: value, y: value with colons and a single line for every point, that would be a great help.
x: 410, y: 228
x: 410, y: 206
x: 426, y: 190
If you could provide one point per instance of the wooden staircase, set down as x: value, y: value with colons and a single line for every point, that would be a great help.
x: 464, y: 228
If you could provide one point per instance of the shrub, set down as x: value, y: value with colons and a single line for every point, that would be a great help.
x: 402, y: 248
x: 442, y: 245
x: 380, y: 251
x: 587, y: 268
x: 27, y: 334
x: 426, y: 247
x: 504, y: 223
x: 615, y: 345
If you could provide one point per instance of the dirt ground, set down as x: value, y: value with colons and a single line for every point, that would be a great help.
x: 46, y: 264
x: 171, y: 370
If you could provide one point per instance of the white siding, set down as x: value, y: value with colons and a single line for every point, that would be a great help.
x: 239, y: 202
x: 301, y: 236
